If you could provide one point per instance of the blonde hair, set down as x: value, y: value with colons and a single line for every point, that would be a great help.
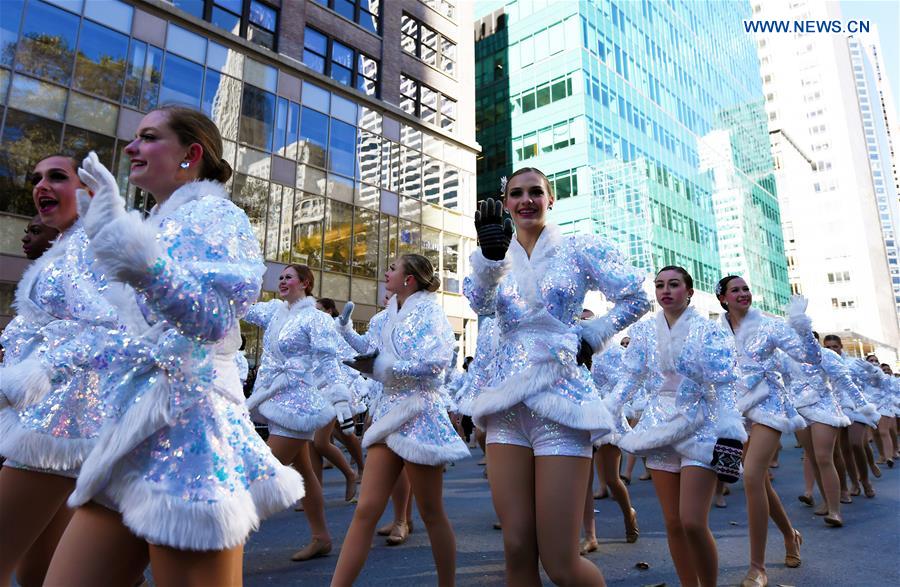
x: 421, y: 269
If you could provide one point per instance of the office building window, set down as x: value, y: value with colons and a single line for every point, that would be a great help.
x: 365, y: 13
x: 255, y: 20
x: 340, y: 62
x: 430, y: 105
x: 421, y: 41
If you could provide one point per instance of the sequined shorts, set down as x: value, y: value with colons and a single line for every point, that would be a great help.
x: 670, y: 461
x: 522, y: 427
x: 71, y: 474
x: 276, y: 430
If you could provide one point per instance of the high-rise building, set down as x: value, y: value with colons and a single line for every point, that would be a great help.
x: 349, y: 123
x: 648, y: 119
x: 821, y: 94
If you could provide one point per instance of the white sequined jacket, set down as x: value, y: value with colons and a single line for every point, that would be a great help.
x: 817, y: 389
x: 537, y: 300
x: 695, y: 403
x: 300, y: 375
x: 415, y: 346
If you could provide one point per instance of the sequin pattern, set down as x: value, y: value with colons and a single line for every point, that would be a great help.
x: 816, y: 389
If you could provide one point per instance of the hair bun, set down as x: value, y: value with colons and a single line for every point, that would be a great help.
x: 435, y: 283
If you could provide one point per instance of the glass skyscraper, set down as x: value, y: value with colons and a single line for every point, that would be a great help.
x: 648, y: 118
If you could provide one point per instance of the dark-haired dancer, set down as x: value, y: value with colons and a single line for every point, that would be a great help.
x: 410, y: 429
x: 179, y: 471
x: 541, y: 408
x: 767, y: 408
x: 689, y: 418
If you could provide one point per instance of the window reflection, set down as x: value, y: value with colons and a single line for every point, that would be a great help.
x: 451, y: 276
x: 181, y: 81
x: 387, y: 242
x: 431, y: 246
x: 313, y: 137
x: 365, y: 242
x: 91, y: 113
x: 276, y: 226
x: 257, y: 117
x: 411, y: 173
x: 369, y: 157
x: 309, y: 211
x: 221, y: 96
x: 251, y: 195
x: 10, y: 17
x: 432, y: 181
x: 409, y: 237
x: 37, y: 97
x: 342, y: 148
x: 338, y: 221
x: 47, y: 47
x: 26, y: 139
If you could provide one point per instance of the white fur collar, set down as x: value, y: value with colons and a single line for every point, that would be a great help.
x: 188, y: 193
x: 747, y: 329
x: 528, y: 271
x: 670, y: 341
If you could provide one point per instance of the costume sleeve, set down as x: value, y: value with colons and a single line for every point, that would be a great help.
x: 719, y: 365
x: 480, y: 286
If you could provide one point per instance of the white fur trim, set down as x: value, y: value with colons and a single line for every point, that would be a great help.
x: 338, y: 393
x: 117, y: 439
x: 642, y: 441
x: 274, y: 412
x: 750, y: 398
x: 732, y: 426
x: 534, y: 387
x: 598, y: 333
x: 124, y: 299
x: 189, y: 192
x: 748, y: 328
x: 413, y: 451
x: 403, y: 411
x: 127, y: 248
x: 778, y: 422
x: 818, y: 415
x: 485, y: 272
x: 24, y: 383
x: 277, y: 493
x: 23, y: 304
x: 865, y: 415
x: 39, y: 450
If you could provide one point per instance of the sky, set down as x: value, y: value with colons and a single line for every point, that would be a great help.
x: 886, y: 15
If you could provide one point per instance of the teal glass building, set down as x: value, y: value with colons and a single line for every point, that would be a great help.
x: 648, y: 119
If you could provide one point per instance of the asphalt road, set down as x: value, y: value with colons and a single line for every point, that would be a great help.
x: 866, y: 551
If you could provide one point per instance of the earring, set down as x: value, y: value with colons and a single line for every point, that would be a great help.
x: 184, y: 165
x: 550, y: 207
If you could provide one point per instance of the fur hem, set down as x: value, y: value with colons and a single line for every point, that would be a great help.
x: 338, y: 393
x: 274, y: 412
x: 642, y: 441
x: 485, y: 272
x: 515, y: 389
x: 818, y: 415
x: 732, y: 427
x: 38, y: 450
x: 697, y: 451
x: 127, y: 248
x: 117, y: 439
x: 782, y: 423
x: 592, y: 415
x: 277, y: 493
x: 752, y: 397
x: 166, y: 520
x: 402, y: 412
x: 413, y: 451
x: 24, y: 383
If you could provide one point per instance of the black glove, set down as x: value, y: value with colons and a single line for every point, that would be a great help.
x: 585, y: 354
x: 494, y: 233
x: 727, y: 459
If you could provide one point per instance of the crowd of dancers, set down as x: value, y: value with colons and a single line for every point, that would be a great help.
x: 129, y: 441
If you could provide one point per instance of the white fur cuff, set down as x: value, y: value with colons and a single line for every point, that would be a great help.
x: 339, y: 393
x: 127, y: 248
x: 485, y: 272
x: 597, y: 333
x: 24, y: 383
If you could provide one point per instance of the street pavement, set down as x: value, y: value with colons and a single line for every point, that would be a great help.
x: 866, y: 551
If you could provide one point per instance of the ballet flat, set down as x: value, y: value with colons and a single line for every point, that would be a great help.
x: 314, y: 549
x: 755, y: 578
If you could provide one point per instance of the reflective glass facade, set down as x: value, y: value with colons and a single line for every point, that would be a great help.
x: 622, y: 100
x: 327, y: 174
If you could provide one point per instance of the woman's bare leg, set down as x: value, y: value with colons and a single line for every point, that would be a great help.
x: 427, y: 484
x: 29, y: 501
x: 294, y: 451
x: 858, y: 444
x: 354, y: 447
x: 849, y: 460
x: 196, y: 569
x: 559, y: 483
x: 697, y: 488
x: 602, y: 490
x: 377, y: 484
x: 97, y: 549
x: 668, y: 492
x: 588, y: 524
x: 511, y: 475
x: 883, y: 439
x: 823, y: 438
x: 322, y: 442
x: 32, y: 569
x: 610, y: 457
x: 763, y: 444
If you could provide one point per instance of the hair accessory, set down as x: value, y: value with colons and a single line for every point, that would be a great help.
x: 503, y: 182
x: 719, y: 289
x: 184, y: 165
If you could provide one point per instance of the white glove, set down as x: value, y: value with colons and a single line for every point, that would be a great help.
x: 796, y: 314
x: 106, y: 205
x: 344, y: 414
x: 344, y: 318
